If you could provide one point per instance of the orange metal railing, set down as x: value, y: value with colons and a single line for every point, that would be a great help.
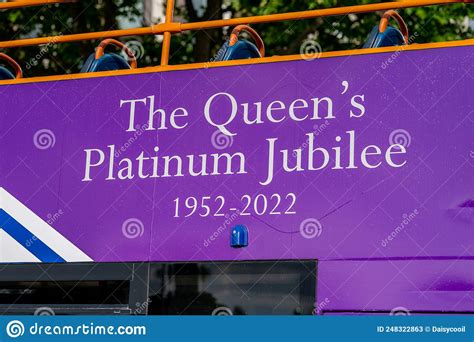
x: 28, y: 3
x: 165, y: 55
x: 170, y: 27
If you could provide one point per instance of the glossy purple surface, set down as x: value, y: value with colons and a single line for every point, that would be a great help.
x: 426, y: 95
x: 396, y: 286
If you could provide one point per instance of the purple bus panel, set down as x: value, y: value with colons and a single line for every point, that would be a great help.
x: 364, y: 163
x: 395, y: 286
x: 356, y: 157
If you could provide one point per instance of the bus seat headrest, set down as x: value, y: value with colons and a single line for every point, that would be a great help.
x: 101, y: 61
x: 236, y: 48
x: 386, y: 35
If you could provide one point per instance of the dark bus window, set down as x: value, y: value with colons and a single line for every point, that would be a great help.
x: 74, y: 288
x: 233, y: 288
x: 64, y: 292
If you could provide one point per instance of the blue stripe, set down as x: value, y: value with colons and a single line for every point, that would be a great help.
x: 25, y: 238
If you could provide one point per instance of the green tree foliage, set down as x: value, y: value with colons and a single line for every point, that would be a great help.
x: 435, y: 23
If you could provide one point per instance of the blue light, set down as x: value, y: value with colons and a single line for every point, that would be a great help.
x: 239, y: 237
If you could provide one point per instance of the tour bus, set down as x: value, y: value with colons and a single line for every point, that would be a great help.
x: 323, y: 183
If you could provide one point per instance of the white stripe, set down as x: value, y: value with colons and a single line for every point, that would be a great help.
x: 41, y: 229
x: 12, y: 251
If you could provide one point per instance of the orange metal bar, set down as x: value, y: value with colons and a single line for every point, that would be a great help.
x: 174, y: 27
x: 327, y: 12
x: 165, y: 49
x: 27, y: 3
x: 157, y: 29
